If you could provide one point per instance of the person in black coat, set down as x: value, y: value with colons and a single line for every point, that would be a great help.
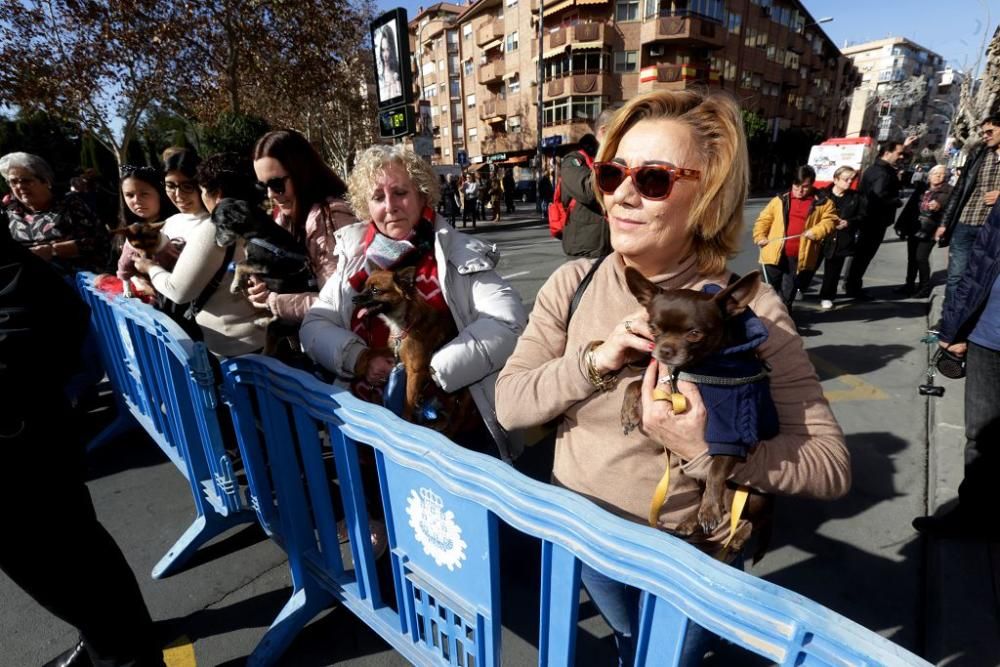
x: 840, y: 245
x: 880, y: 187
x: 917, y: 223
x: 970, y: 328
x: 54, y: 547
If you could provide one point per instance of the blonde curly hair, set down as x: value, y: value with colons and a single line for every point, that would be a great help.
x: 370, y: 165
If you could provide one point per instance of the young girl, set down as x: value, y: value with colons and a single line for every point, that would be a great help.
x: 145, y: 202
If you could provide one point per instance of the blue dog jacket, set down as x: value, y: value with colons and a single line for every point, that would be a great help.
x: 742, y: 414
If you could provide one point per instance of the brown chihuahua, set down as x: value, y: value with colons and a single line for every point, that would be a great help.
x: 416, y: 332
x: 688, y: 327
x: 143, y: 236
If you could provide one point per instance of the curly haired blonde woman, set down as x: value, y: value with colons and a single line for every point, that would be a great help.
x: 396, y: 193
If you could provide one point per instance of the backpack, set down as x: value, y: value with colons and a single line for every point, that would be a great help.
x: 558, y: 212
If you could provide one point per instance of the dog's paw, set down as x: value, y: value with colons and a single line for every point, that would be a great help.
x: 688, y: 527
x: 632, y: 408
x: 709, y: 517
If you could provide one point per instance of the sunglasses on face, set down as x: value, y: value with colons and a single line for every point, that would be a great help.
x: 652, y: 181
x: 275, y: 185
x: 187, y: 187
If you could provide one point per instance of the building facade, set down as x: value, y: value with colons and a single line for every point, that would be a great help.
x: 771, y: 54
x: 899, y: 82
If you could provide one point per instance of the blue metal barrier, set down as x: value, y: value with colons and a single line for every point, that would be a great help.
x: 163, y: 381
x: 442, y: 506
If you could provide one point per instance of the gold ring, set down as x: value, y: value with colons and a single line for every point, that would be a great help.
x: 661, y: 395
x: 628, y: 327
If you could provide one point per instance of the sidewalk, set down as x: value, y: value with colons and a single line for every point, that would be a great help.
x: 963, y: 579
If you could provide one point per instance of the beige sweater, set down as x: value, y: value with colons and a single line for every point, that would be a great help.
x: 545, y: 379
x: 226, y: 320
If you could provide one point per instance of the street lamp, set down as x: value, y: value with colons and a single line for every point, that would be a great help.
x: 825, y: 19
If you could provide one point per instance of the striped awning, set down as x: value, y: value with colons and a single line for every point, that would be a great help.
x: 591, y: 2
x: 492, y: 44
x: 556, y: 7
x: 556, y: 51
x: 583, y: 46
x: 510, y: 75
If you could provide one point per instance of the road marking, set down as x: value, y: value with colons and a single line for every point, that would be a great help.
x: 180, y: 653
x: 515, y: 275
x: 859, y: 389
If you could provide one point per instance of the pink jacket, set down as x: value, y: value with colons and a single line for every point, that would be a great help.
x: 319, y: 248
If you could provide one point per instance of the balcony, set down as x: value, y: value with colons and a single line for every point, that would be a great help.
x: 693, y: 31
x: 589, y: 83
x: 571, y: 130
x: 493, y: 111
x: 592, y: 35
x: 489, y: 31
x: 501, y: 142
x: 492, y: 72
x: 676, y: 77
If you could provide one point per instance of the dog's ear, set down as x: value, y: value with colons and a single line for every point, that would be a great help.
x: 406, y: 278
x: 642, y: 288
x: 119, y: 231
x: 735, y: 298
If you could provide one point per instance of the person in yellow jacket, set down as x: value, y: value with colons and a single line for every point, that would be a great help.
x: 789, y: 232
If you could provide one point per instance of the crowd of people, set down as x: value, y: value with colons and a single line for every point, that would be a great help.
x: 659, y: 190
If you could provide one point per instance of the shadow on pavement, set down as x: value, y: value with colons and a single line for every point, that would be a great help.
x: 865, y: 587
x: 854, y: 359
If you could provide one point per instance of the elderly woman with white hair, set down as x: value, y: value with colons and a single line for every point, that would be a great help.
x: 396, y: 193
x: 918, y: 223
x: 61, y: 230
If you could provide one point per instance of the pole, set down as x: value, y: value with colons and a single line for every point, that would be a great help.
x: 541, y: 115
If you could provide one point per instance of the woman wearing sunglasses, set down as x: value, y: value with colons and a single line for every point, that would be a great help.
x: 309, y: 202
x: 672, y: 173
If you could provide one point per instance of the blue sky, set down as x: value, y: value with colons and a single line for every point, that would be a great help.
x: 952, y: 28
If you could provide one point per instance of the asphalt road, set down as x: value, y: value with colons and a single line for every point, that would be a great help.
x: 858, y: 556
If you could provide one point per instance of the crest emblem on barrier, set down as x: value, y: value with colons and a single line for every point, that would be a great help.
x: 435, y: 529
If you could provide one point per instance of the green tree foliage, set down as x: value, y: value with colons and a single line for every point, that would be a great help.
x: 233, y: 132
x: 754, y: 126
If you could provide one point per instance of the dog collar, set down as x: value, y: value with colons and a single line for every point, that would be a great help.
x: 275, y: 250
x: 724, y: 381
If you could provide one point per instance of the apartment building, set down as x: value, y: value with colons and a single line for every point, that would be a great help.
x: 434, y: 43
x: 771, y: 54
x: 881, y: 107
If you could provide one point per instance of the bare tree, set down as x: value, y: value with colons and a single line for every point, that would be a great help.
x: 96, y: 64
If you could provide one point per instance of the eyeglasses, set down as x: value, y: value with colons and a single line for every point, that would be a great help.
x: 275, y: 185
x: 187, y: 187
x: 652, y: 181
x: 988, y: 132
x: 15, y: 182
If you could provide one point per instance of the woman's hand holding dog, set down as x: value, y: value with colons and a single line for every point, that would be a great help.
x: 374, y: 366
x: 257, y: 293
x: 683, y: 434
x: 143, y: 264
x: 629, y: 341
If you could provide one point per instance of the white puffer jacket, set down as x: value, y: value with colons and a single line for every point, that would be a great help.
x: 488, y: 311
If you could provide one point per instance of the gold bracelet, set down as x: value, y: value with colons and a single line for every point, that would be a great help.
x: 601, y: 382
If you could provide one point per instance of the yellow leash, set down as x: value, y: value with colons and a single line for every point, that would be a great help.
x: 735, y: 512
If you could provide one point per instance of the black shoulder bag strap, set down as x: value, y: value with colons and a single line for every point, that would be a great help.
x: 582, y: 287
x: 212, y: 286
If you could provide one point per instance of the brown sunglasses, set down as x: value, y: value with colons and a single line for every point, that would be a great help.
x: 652, y: 181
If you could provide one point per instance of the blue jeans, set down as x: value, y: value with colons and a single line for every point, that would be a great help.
x: 982, y: 430
x: 619, y: 606
x: 962, y: 239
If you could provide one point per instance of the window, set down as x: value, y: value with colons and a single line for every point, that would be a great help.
x: 473, y: 132
x: 571, y: 108
x: 456, y: 111
x: 511, y: 3
x: 625, y: 61
x: 514, y: 85
x: 512, y: 41
x: 468, y: 67
x: 712, y: 9
x: 467, y: 31
x: 453, y: 63
x: 626, y: 10
x: 447, y: 152
x: 435, y: 111
x: 514, y: 124
x: 745, y: 79
x: 455, y: 90
x: 470, y: 100
x: 427, y: 69
x: 444, y: 130
x: 430, y: 92
x: 732, y: 22
x: 441, y: 65
x: 452, y: 37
